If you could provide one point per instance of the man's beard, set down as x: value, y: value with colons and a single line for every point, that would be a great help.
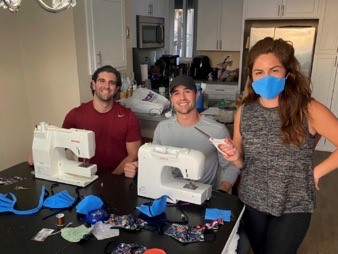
x: 184, y: 111
x: 106, y: 98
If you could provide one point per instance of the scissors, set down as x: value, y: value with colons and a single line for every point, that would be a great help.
x: 216, y: 141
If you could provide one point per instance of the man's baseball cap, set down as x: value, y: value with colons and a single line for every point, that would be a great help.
x: 182, y: 80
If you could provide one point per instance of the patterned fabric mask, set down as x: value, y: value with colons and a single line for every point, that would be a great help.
x: 186, y: 234
x: 127, y: 222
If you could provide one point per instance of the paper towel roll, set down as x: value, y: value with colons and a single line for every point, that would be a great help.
x: 144, y: 72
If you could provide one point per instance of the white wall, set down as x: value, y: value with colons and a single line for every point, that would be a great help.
x: 50, y: 64
x: 44, y: 72
x: 39, y: 75
x: 15, y: 126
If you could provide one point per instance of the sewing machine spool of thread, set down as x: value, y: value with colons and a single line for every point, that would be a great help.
x: 60, y: 220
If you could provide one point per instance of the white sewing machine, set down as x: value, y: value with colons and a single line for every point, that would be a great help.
x: 155, y: 177
x: 49, y: 155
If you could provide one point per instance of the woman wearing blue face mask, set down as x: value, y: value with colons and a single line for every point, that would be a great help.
x: 274, y: 137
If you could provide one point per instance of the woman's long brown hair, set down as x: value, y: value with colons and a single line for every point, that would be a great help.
x: 294, y: 100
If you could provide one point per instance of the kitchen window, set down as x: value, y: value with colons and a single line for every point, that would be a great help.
x: 184, y: 28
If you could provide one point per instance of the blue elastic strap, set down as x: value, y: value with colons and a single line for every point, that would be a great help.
x: 7, y: 205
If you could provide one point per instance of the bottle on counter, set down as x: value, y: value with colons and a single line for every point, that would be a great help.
x: 133, y: 80
x: 133, y: 84
x: 205, y: 96
x: 129, y: 92
x: 199, y: 102
x: 125, y: 83
x: 161, y: 90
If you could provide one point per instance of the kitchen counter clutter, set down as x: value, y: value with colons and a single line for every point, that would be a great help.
x: 217, y: 90
x: 220, y: 105
x: 148, y: 124
x: 221, y: 114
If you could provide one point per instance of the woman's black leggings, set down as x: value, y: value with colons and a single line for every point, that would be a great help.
x: 269, y: 234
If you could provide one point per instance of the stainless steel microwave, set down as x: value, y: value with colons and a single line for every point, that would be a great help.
x: 150, y: 32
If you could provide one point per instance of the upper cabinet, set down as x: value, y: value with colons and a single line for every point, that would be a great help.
x: 219, y: 25
x: 154, y: 8
x: 106, y: 33
x: 327, y: 39
x: 280, y: 9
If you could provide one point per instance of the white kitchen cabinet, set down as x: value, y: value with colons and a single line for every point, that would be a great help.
x: 272, y: 9
x: 327, y: 39
x: 325, y: 64
x: 106, y: 32
x: 325, y: 87
x: 154, y: 8
x: 219, y: 25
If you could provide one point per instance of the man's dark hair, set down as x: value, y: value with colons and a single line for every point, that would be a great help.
x: 110, y: 69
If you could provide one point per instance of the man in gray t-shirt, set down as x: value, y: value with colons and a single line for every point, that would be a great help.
x: 179, y: 131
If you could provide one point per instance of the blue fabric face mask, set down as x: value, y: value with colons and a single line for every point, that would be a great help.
x: 269, y: 87
x: 7, y: 204
x: 88, y: 204
x: 156, y: 208
x: 60, y: 200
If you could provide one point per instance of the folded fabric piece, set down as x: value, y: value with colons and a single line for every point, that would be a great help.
x: 89, y: 203
x: 127, y: 222
x: 7, y: 204
x: 214, y: 214
x: 60, y: 200
x: 155, y: 208
x: 103, y: 231
x: 75, y: 235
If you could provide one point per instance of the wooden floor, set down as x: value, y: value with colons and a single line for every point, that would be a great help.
x: 322, y: 236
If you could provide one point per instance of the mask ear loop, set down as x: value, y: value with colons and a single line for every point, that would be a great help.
x: 52, y: 187
x: 46, y: 194
x: 184, y: 217
x: 211, y: 233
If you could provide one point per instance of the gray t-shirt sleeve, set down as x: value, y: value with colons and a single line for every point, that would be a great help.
x: 229, y: 173
x: 156, y: 138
